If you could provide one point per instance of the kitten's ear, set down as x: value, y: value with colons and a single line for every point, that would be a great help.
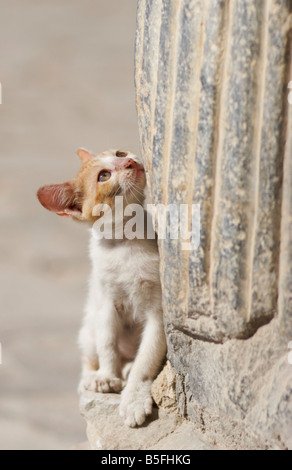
x: 60, y: 199
x: 84, y: 155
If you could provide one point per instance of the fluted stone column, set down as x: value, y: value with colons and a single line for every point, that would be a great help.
x: 216, y: 130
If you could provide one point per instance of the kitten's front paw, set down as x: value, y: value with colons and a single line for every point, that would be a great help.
x: 100, y: 382
x: 136, y: 403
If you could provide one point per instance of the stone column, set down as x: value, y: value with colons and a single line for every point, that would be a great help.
x: 216, y: 130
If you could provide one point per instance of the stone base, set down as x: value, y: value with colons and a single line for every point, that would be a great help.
x: 163, y: 431
x: 81, y: 446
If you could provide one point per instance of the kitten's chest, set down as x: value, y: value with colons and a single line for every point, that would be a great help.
x: 127, y: 273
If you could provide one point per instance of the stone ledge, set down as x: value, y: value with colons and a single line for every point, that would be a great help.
x: 81, y: 446
x: 163, y: 431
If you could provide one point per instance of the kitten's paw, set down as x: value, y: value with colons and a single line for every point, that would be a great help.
x: 136, y: 403
x: 100, y: 382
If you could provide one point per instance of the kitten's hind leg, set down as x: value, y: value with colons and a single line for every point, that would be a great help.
x: 101, y: 341
x: 93, y: 380
x: 89, y: 368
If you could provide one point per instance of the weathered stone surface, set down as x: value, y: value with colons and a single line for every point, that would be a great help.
x: 106, y: 429
x: 215, y: 129
x: 164, y: 389
x: 239, y: 393
x: 185, y: 437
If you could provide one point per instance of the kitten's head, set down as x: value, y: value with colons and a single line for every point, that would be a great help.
x: 101, y: 178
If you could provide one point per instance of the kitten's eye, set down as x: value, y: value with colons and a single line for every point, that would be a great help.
x: 121, y: 154
x: 104, y: 176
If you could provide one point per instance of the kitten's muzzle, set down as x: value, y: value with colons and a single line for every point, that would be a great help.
x: 130, y: 164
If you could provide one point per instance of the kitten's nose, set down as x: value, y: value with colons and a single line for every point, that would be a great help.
x: 129, y: 164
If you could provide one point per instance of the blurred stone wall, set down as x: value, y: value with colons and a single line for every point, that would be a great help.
x: 216, y: 130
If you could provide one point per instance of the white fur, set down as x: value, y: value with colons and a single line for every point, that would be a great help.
x: 123, y: 332
x: 122, y: 338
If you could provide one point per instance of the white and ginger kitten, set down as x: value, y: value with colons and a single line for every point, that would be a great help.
x: 122, y: 339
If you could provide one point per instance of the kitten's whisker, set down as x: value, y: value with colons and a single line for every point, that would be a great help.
x: 137, y: 189
x: 134, y: 195
x: 126, y: 198
x: 117, y: 191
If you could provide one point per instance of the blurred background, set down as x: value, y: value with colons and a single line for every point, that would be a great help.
x: 67, y: 75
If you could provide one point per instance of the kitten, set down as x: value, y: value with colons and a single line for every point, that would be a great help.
x: 122, y: 339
